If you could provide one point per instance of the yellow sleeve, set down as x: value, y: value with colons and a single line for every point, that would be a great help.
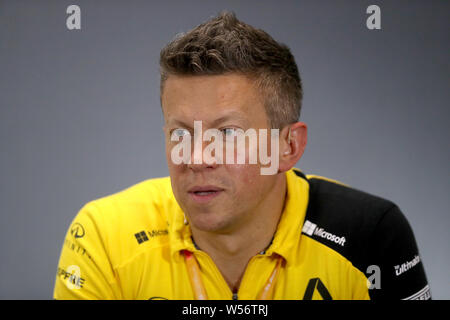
x: 84, y: 269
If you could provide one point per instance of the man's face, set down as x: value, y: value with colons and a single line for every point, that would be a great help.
x: 215, y: 197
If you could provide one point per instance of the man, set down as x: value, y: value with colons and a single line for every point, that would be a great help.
x: 221, y: 229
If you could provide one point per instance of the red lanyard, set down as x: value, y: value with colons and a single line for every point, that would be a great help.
x: 200, y: 291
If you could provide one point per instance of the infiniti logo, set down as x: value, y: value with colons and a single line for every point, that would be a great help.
x: 77, y: 230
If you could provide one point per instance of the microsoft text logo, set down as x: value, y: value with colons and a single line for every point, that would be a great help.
x: 310, y: 229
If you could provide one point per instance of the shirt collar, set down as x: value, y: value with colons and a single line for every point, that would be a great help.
x: 289, y: 227
x: 180, y: 232
x: 288, y: 232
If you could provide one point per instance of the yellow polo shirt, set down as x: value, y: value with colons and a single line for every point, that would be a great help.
x: 128, y: 246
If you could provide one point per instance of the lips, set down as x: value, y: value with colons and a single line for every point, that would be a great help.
x: 204, y: 194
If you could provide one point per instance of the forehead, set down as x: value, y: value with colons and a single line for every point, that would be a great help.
x: 210, y: 97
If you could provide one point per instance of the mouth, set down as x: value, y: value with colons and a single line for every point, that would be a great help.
x: 204, y: 194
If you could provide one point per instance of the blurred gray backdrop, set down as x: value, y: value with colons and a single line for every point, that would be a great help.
x: 80, y: 115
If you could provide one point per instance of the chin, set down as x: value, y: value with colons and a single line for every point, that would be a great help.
x: 209, y: 222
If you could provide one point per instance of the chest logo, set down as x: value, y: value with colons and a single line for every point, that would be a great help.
x: 316, y: 284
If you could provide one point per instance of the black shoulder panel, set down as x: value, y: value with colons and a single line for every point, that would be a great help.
x: 368, y: 231
x: 348, y: 214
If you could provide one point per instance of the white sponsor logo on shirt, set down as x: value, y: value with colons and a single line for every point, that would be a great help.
x: 399, y: 269
x: 423, y: 294
x: 311, y: 228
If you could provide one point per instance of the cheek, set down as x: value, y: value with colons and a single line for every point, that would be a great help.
x: 168, y: 148
x: 176, y: 174
x: 172, y: 167
x: 247, y: 178
x: 177, y: 183
x: 250, y: 186
x: 175, y: 171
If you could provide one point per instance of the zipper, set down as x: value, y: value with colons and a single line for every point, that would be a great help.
x: 235, y: 296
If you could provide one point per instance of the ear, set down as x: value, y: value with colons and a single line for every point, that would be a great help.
x: 293, y: 139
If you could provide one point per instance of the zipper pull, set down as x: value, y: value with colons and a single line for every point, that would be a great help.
x: 235, y: 296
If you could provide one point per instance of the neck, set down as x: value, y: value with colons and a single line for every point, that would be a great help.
x: 232, y: 250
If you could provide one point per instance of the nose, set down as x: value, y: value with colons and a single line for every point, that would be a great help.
x: 201, y: 155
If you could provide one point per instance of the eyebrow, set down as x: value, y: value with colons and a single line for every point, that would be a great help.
x: 233, y: 115
x: 175, y: 122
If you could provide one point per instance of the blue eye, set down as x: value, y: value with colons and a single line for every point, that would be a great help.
x: 180, y: 132
x: 229, y: 132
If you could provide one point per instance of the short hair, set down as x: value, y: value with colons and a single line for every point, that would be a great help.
x: 224, y: 45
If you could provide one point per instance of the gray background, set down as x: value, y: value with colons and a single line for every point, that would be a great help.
x: 80, y: 115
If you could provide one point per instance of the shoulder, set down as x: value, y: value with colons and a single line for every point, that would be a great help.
x: 350, y: 202
x: 334, y: 202
x: 347, y: 219
x: 136, y: 201
x: 126, y: 219
x: 369, y: 231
